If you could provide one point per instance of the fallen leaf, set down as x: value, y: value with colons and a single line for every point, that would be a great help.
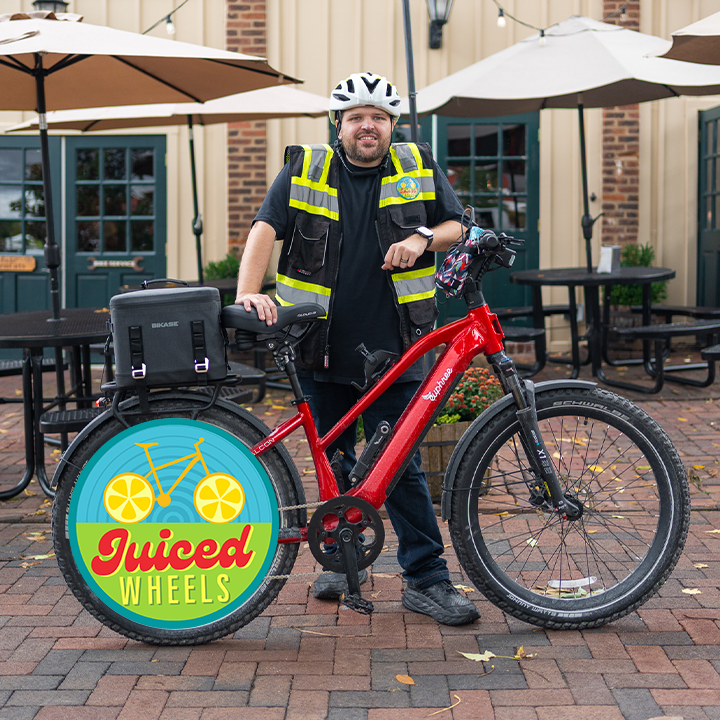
x: 405, y: 679
x: 643, y: 467
x: 692, y: 591
x: 716, y: 531
x: 595, y: 468
x: 532, y: 542
x: 619, y: 517
x: 700, y: 566
x: 464, y: 588
x: 29, y: 492
x: 699, y: 467
x: 479, y: 657
x: 520, y: 654
x: 450, y: 707
x: 682, y: 419
x: 42, y: 557
x: 28, y: 564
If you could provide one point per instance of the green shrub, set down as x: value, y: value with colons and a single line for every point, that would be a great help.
x: 637, y: 256
x: 227, y: 268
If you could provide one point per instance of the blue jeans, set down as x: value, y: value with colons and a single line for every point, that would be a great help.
x: 409, y: 506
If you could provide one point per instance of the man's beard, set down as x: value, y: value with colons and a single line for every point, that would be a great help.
x: 354, y: 152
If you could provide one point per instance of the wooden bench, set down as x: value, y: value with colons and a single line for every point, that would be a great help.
x: 663, y: 332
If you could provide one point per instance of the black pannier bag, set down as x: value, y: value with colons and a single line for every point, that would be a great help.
x: 168, y: 336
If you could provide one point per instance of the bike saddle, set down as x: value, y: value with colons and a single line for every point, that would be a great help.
x: 236, y: 316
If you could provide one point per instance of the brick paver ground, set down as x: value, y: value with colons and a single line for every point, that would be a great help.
x: 304, y: 659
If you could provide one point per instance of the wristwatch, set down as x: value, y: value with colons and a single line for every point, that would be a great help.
x: 426, y: 233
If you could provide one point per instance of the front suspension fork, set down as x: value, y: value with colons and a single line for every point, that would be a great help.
x: 523, y: 393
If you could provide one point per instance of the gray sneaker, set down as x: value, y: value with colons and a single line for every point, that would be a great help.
x: 331, y: 586
x: 442, y: 602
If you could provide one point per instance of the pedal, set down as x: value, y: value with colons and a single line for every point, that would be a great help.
x: 357, y: 603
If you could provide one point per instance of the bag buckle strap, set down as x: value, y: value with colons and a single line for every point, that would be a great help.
x: 202, y: 367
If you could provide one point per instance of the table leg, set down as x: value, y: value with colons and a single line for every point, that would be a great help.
x: 28, y: 417
x: 38, y: 402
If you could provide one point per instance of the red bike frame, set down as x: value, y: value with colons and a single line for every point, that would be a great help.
x: 478, y: 332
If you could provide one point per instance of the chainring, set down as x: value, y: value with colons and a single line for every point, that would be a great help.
x: 334, y: 516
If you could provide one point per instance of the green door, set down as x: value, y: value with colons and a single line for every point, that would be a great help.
x: 708, y: 259
x: 493, y: 164
x: 23, y: 229
x: 115, y: 215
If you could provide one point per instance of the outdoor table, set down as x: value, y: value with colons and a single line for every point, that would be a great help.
x: 77, y: 328
x: 590, y: 282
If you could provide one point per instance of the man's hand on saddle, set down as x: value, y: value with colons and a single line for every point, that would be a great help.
x: 404, y: 254
x: 266, y: 308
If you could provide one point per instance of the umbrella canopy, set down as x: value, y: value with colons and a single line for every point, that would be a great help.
x: 577, y: 63
x: 58, y: 62
x: 283, y: 101
x: 697, y: 43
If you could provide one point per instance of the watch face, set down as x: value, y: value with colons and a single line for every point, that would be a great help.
x: 425, y: 232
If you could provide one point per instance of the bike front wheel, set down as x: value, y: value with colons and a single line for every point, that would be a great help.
x: 611, y: 458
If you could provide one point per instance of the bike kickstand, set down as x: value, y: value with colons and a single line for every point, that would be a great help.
x: 353, y: 598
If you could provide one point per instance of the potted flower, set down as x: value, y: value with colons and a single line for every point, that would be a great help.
x: 476, y: 391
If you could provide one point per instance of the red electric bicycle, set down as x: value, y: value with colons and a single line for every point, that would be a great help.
x: 568, y: 506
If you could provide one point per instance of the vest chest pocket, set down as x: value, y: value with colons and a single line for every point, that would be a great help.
x: 308, y: 246
x: 405, y: 219
x: 422, y: 317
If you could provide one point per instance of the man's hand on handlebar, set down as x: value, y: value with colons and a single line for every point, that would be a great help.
x: 266, y: 308
x: 404, y: 254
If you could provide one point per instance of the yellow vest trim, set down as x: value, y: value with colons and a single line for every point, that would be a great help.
x: 418, y: 296
x: 301, y: 285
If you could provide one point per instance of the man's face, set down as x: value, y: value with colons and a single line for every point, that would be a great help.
x: 365, y: 134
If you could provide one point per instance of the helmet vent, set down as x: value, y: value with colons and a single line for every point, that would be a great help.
x: 341, y: 97
x: 350, y: 85
x: 371, y: 85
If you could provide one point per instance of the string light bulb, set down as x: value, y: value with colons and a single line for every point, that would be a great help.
x: 169, y: 26
x: 501, y: 21
x: 543, y: 39
x: 623, y: 14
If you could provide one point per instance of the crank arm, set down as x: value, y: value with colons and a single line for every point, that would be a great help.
x: 353, y: 599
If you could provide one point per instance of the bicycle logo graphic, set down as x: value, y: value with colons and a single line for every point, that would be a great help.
x: 129, y: 497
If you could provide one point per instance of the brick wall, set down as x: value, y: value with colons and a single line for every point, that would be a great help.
x: 620, y: 169
x: 247, y: 141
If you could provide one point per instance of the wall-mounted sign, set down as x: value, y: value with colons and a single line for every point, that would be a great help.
x: 134, y: 263
x: 17, y: 263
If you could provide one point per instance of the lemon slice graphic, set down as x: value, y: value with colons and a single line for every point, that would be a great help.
x: 128, y: 498
x: 219, y: 498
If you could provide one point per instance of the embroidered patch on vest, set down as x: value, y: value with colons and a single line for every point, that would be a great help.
x: 408, y: 187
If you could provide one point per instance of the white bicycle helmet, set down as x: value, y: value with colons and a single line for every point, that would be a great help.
x: 364, y: 89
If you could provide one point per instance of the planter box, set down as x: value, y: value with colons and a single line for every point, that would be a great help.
x: 436, y: 450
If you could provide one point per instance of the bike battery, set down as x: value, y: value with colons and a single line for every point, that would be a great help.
x: 168, y: 337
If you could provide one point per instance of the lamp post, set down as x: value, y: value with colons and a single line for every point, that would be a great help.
x: 439, y: 12
x: 56, y: 6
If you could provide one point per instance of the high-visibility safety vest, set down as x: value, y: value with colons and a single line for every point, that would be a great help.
x: 308, y: 264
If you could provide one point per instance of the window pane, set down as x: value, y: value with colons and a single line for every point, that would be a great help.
x: 143, y: 163
x: 514, y: 212
x: 115, y: 199
x: 486, y: 140
x: 115, y: 161
x: 458, y: 140
x: 88, y: 200
x: 10, y: 201
x: 33, y: 164
x: 710, y: 133
x: 709, y: 183
x: 514, y: 140
x: 10, y: 236
x: 486, y: 213
x: 486, y: 176
x: 458, y: 173
x: 142, y: 199
x: 10, y: 165
x: 88, y: 166
x: 88, y: 236
x: 34, y: 200
x: 115, y: 236
x: 708, y: 212
x: 35, y: 235
x: 716, y: 214
x: 515, y: 175
x: 142, y: 235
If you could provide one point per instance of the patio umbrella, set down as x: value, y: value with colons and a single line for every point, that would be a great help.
x: 283, y: 101
x: 577, y: 63
x: 697, y: 43
x: 58, y: 62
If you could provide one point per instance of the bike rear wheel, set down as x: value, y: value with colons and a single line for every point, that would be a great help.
x: 176, y: 578
x: 570, y: 574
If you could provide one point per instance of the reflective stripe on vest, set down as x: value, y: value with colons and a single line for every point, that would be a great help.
x: 289, y: 291
x: 310, y: 191
x: 411, y: 180
x: 414, y: 285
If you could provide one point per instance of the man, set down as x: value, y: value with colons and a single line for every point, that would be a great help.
x: 358, y: 222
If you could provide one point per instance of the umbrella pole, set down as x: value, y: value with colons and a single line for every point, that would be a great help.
x: 410, y: 72
x: 197, y: 220
x: 52, y: 250
x: 587, y: 221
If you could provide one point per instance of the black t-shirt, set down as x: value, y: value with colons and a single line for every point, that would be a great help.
x: 363, y: 309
